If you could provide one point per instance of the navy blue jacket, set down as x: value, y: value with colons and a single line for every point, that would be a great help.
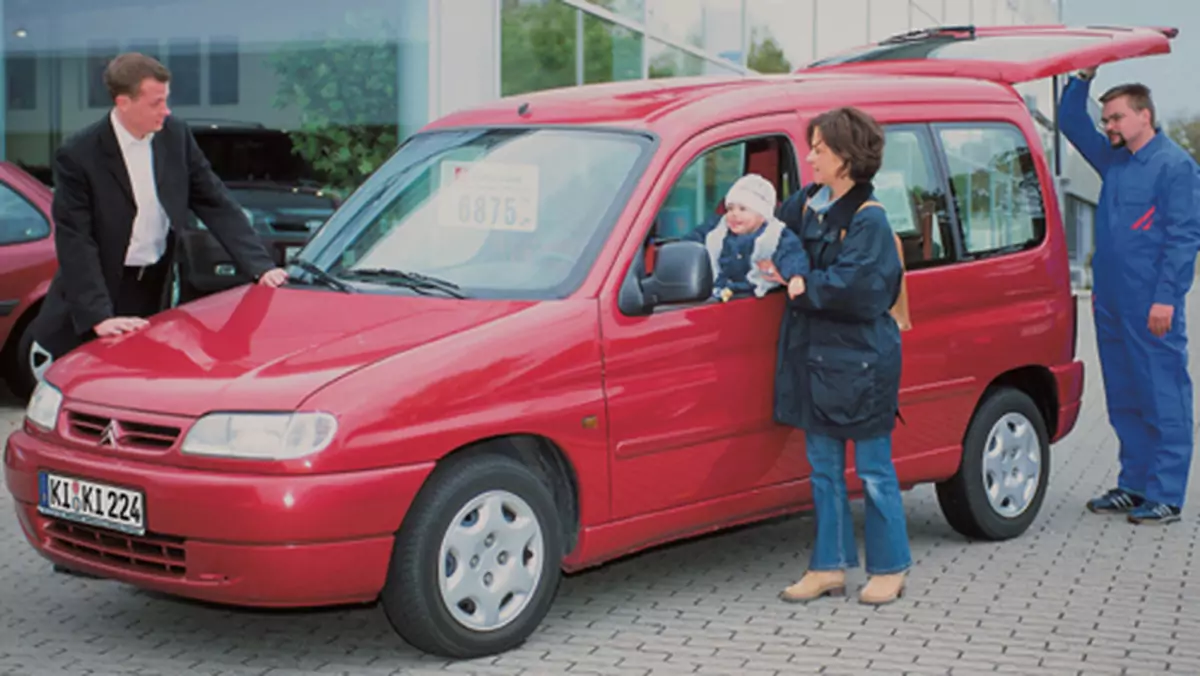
x: 839, y: 360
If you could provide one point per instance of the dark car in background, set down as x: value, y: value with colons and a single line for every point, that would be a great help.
x: 276, y: 188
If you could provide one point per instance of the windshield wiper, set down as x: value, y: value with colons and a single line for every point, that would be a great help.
x: 412, y: 280
x: 321, y: 276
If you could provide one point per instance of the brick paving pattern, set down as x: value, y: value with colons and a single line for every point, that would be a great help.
x: 1077, y: 594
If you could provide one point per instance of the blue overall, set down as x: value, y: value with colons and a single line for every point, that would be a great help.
x: 1147, y: 238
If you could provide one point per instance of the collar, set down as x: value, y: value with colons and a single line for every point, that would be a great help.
x: 842, y: 210
x: 124, y: 138
x: 1150, y: 149
x: 822, y: 200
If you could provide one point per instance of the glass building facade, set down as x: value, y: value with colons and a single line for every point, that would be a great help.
x: 312, y: 90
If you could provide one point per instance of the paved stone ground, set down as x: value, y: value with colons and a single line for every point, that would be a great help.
x: 1078, y: 594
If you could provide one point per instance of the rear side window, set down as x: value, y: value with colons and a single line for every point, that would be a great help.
x: 911, y: 190
x: 20, y: 221
x: 995, y: 187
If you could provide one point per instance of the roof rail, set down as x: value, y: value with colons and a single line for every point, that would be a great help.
x: 935, y: 31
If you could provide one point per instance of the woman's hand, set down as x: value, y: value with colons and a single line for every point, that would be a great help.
x: 770, y: 272
x: 795, y: 286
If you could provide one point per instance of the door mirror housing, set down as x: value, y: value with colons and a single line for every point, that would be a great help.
x: 682, y: 274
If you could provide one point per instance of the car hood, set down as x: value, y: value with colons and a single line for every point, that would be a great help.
x: 256, y: 348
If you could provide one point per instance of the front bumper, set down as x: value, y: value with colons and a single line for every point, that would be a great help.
x: 252, y: 540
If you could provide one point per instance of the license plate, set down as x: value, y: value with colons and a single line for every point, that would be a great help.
x: 93, y: 503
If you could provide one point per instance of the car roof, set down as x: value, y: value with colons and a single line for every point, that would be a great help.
x: 687, y: 104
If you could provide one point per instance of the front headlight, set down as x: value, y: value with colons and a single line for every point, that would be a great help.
x: 44, y: 406
x: 260, y: 436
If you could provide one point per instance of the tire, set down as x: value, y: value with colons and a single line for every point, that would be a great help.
x: 19, y: 375
x: 1008, y: 437
x: 424, y: 557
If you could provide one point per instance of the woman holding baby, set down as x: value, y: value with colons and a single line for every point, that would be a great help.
x: 838, y: 370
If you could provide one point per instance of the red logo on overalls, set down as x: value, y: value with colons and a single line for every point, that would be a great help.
x: 1145, y: 221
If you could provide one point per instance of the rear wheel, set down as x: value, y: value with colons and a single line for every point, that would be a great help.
x: 476, y: 564
x: 1005, y: 469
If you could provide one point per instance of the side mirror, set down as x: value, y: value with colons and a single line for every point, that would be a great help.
x: 682, y: 274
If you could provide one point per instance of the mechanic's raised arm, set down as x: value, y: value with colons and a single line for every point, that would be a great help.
x: 1080, y: 128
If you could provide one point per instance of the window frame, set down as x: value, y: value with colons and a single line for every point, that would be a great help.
x: 1007, y: 126
x: 791, y: 178
x: 928, y: 139
x: 789, y: 173
x: 5, y: 183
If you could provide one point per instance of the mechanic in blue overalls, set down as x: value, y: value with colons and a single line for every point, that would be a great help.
x: 1147, y: 239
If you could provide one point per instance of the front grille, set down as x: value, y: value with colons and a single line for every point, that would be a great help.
x: 126, y: 433
x: 154, y: 554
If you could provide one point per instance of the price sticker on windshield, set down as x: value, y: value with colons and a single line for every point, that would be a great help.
x: 489, y: 196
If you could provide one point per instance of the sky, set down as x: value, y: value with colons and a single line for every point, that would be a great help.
x: 1171, y: 77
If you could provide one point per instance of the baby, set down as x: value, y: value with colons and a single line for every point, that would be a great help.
x: 745, y: 237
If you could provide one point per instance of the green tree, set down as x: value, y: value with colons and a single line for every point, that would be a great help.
x: 1185, y: 131
x: 766, y: 56
x: 538, y: 47
x: 345, y: 90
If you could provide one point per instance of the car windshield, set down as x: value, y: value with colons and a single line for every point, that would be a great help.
x: 497, y: 213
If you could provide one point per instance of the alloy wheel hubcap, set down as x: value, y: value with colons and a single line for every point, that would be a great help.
x: 490, y: 562
x: 1012, y: 464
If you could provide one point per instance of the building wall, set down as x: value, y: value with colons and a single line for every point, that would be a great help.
x: 233, y: 60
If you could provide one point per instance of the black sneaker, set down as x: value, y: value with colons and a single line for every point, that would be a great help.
x: 1116, y: 501
x: 1154, y: 513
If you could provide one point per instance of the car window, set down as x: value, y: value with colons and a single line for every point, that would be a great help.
x: 699, y: 193
x: 996, y: 188
x: 502, y: 213
x: 20, y: 221
x: 914, y: 196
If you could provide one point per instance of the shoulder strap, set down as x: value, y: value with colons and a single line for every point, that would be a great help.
x: 899, y: 309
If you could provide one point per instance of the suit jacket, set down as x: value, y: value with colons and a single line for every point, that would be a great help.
x: 94, y: 209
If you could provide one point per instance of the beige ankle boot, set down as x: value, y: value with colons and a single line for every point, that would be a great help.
x: 882, y: 589
x: 814, y: 585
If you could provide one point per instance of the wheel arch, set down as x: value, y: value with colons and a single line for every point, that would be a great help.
x: 1036, y: 382
x: 547, y: 460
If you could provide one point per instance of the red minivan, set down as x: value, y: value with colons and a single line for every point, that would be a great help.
x: 495, y: 363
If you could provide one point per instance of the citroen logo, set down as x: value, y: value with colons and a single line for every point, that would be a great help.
x: 109, y: 436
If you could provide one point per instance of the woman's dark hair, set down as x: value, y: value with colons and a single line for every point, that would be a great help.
x: 853, y: 136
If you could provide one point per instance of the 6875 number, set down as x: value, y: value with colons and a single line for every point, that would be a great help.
x: 487, y: 210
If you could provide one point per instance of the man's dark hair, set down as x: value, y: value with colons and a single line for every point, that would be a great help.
x: 1139, y: 97
x: 125, y: 74
x: 853, y: 136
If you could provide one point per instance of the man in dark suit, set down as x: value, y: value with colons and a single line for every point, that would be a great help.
x: 122, y: 186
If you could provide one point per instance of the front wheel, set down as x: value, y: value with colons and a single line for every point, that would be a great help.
x: 1001, y: 482
x: 477, y: 562
x: 21, y: 380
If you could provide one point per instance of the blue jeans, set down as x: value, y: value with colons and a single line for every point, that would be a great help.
x: 886, y: 530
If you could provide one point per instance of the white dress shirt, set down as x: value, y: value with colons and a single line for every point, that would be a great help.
x: 148, y: 242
